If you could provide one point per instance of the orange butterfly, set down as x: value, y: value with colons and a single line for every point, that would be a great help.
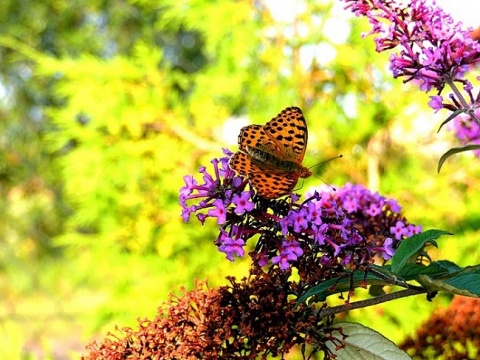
x: 271, y: 156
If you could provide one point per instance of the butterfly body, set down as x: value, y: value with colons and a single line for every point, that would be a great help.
x: 269, y: 161
x: 270, y: 156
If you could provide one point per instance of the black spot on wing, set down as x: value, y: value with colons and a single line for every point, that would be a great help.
x: 272, y: 186
x: 289, y: 131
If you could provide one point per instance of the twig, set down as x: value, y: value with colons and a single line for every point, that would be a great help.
x: 369, y: 302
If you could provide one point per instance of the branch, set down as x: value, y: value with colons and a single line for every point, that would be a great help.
x: 369, y: 302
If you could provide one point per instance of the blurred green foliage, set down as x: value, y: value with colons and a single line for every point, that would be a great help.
x: 105, y: 106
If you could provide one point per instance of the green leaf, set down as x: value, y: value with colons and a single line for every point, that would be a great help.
x: 384, y: 272
x: 441, y: 267
x: 411, y: 271
x: 363, y: 343
x: 450, y: 118
x: 434, y: 269
x: 463, y: 282
x: 410, y: 249
x: 342, y: 284
x: 454, y: 151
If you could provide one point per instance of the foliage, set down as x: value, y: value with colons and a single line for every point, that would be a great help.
x: 106, y: 105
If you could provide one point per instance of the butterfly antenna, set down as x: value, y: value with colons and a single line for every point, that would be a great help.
x: 323, y: 162
x: 330, y: 186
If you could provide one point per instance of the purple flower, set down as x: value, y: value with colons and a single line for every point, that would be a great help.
x: 219, y: 212
x: 201, y: 217
x: 374, y: 209
x: 299, y: 220
x: 319, y: 233
x: 398, y: 230
x: 243, y: 202
x: 283, y: 260
x: 284, y: 224
x: 350, y: 204
x: 186, y: 212
x: 230, y: 246
x: 412, y: 230
x: 314, y: 212
x: 372, y: 214
x: 346, y: 261
x: 190, y: 184
x: 293, y: 247
x: 393, y: 205
x: 337, y: 248
x: 436, y: 102
x: 289, y: 253
x: 209, y: 181
x: 262, y: 259
x: 225, y: 170
x: 387, y: 250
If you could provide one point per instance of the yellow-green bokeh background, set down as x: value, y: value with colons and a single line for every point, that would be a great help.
x: 105, y: 106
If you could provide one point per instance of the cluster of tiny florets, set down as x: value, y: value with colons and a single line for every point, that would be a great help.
x: 377, y: 218
x: 348, y: 227
x: 431, y: 50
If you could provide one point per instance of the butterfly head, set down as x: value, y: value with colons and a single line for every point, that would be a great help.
x: 305, y: 172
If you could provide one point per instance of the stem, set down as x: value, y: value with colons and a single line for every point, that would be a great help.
x: 462, y: 100
x: 370, y: 302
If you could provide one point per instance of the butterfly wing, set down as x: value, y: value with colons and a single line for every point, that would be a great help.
x: 269, y: 182
x: 272, y: 185
x: 284, y: 139
x: 254, y: 136
x: 288, y: 132
x: 241, y: 163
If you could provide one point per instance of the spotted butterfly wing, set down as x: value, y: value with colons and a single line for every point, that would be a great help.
x: 270, y: 156
x: 288, y: 130
x: 268, y: 181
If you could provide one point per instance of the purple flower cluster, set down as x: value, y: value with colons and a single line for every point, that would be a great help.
x: 325, y: 231
x: 432, y: 50
x: 378, y: 218
x: 283, y: 226
x: 216, y: 192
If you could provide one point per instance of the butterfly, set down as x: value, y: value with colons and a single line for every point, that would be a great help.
x: 271, y: 155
